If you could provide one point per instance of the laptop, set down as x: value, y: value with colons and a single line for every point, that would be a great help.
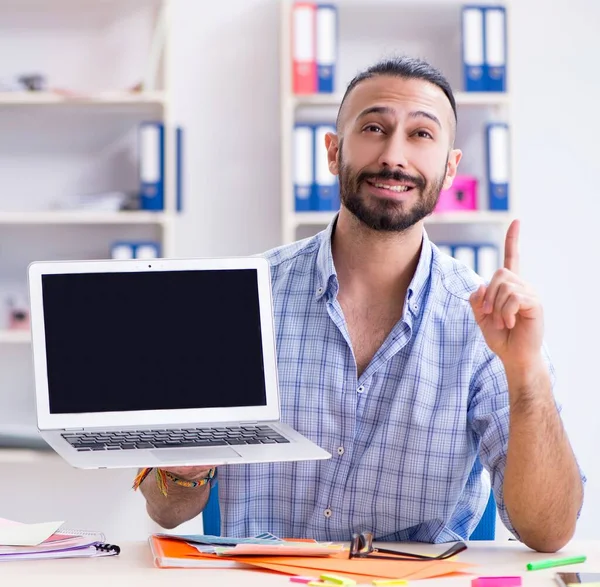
x: 168, y: 362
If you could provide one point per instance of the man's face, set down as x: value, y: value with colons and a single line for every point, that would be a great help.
x: 393, y: 155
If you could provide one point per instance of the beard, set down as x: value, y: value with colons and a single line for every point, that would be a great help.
x: 383, y: 214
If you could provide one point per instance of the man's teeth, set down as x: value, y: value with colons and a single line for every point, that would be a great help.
x: 393, y: 188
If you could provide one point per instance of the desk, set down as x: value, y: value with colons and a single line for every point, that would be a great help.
x: 134, y: 567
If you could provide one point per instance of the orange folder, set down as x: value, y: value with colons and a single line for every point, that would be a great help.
x: 173, y: 553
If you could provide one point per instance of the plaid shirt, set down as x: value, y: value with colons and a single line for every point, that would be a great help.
x: 405, y: 435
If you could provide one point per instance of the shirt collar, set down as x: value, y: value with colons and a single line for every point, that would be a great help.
x: 417, y: 288
x: 326, y: 276
x: 327, y: 283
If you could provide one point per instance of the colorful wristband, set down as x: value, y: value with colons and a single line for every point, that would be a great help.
x: 162, y: 476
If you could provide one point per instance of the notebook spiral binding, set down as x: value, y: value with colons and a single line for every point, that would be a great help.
x: 76, y: 532
x: 107, y: 547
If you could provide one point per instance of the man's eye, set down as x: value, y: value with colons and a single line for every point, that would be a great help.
x: 373, y: 128
x: 424, y: 134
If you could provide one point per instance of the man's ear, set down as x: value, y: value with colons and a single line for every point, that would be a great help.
x: 332, y: 146
x: 451, y: 168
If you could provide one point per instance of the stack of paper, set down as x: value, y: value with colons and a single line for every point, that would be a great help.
x: 298, y: 558
x: 265, y: 544
x: 48, y: 540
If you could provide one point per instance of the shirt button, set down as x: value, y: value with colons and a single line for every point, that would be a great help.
x: 327, y: 513
x: 340, y: 450
x: 361, y: 389
x: 319, y: 291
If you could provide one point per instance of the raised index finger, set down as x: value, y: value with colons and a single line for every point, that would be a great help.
x: 511, y: 247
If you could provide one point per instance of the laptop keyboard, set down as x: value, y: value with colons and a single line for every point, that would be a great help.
x: 173, y: 438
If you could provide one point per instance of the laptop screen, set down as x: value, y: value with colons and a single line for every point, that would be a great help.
x: 155, y: 340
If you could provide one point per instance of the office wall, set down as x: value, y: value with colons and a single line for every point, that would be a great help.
x: 226, y: 91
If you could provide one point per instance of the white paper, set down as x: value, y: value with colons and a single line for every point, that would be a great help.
x: 17, y: 534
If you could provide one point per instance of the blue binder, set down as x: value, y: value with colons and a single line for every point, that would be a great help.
x: 487, y: 260
x: 304, y: 167
x: 326, y: 49
x: 152, y: 165
x: 473, y: 42
x: 147, y: 250
x: 494, y: 70
x: 498, y: 172
x: 327, y: 195
x: 465, y: 253
x: 179, y: 168
x: 122, y: 250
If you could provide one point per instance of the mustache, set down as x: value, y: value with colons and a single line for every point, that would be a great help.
x: 396, y: 175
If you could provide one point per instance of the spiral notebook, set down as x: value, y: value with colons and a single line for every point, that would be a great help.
x: 64, y: 543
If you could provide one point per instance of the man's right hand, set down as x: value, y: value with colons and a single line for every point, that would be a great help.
x: 182, y: 503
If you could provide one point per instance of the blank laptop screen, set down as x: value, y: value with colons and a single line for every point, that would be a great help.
x: 161, y: 340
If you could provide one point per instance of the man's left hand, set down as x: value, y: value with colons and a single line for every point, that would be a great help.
x: 508, y: 312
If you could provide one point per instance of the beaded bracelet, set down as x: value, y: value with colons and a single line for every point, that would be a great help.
x: 162, y: 476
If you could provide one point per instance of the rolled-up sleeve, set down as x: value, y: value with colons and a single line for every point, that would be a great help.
x: 489, y: 418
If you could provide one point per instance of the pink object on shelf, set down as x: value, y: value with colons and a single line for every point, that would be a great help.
x: 461, y: 195
x: 496, y: 582
x: 304, y: 580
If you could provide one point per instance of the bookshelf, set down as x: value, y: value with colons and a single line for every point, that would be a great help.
x: 105, y: 72
x: 430, y: 29
x: 105, y: 69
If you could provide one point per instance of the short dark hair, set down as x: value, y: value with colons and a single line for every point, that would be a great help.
x: 407, y: 68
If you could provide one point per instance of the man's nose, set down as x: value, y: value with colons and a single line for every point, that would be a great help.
x: 393, y: 154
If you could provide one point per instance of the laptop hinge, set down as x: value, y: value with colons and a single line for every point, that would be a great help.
x: 72, y: 429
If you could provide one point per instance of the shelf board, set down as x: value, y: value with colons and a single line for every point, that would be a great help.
x: 96, y: 99
x: 462, y: 99
x: 25, y: 456
x: 84, y: 217
x: 481, y: 217
x: 15, y: 336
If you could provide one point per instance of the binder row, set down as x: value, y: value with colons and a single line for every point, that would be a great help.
x: 315, y: 187
x: 135, y: 250
x: 484, y: 48
x: 483, y: 258
x: 151, y: 144
x: 314, y: 47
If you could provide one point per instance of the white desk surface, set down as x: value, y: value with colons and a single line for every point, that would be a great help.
x: 134, y: 567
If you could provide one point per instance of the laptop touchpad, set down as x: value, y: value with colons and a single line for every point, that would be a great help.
x: 193, y: 456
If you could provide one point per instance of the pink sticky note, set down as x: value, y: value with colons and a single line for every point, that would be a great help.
x: 496, y: 582
x: 300, y: 579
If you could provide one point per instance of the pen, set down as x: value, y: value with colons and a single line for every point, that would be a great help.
x: 555, y: 562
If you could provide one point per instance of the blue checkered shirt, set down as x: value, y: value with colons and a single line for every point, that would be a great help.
x: 405, y: 435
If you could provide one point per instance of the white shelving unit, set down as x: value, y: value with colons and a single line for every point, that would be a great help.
x: 82, y: 136
x: 15, y: 336
x: 423, y: 28
x: 77, y: 137
x: 100, y: 99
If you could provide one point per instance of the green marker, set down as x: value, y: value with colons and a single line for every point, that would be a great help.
x: 555, y: 562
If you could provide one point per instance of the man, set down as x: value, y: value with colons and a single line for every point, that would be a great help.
x: 397, y: 360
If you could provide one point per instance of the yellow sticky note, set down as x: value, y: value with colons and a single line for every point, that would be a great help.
x: 337, y: 580
x: 384, y: 582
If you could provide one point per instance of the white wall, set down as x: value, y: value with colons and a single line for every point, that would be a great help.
x: 225, y: 60
x: 556, y: 104
x: 226, y: 75
x: 226, y: 93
